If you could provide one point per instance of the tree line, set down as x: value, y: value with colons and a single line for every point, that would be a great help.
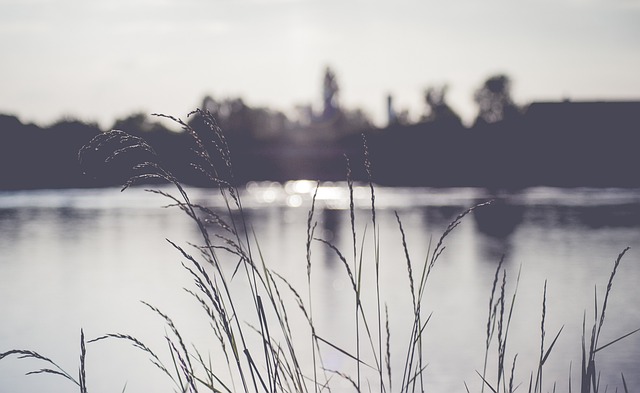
x: 560, y: 144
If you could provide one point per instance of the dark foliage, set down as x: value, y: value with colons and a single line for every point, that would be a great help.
x: 565, y: 144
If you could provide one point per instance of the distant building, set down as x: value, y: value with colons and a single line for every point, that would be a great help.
x: 392, y: 118
x: 584, y: 116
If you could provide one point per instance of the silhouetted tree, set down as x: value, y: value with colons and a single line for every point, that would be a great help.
x: 356, y: 120
x: 330, y: 92
x: 494, y: 100
x: 246, y: 123
x: 437, y: 107
x: 138, y: 123
x: 33, y: 157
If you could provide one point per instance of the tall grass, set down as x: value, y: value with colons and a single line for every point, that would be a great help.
x: 260, y: 349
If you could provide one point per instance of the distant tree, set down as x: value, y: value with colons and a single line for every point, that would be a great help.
x: 330, y: 92
x: 303, y: 115
x: 137, y: 123
x: 242, y: 121
x: 356, y: 120
x: 494, y: 100
x: 402, y: 117
x: 211, y: 105
x: 437, y: 107
x: 237, y: 116
x: 71, y: 125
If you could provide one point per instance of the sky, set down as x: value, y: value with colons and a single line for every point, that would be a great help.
x: 98, y: 60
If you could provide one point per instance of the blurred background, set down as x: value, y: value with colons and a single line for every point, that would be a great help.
x: 534, y: 104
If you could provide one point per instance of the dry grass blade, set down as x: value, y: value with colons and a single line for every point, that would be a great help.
x: 211, y: 216
x: 492, y: 313
x: 624, y: 383
x: 546, y: 355
x: 538, y: 385
x: 367, y: 168
x: 606, y: 296
x: 266, y: 342
x: 388, y: 347
x: 408, y: 259
x: 47, y: 371
x: 112, y: 140
x: 616, y: 340
x: 513, y: 302
x: 422, y: 327
x: 255, y: 371
x: 346, y: 377
x: 452, y: 225
x: 416, y: 376
x: 182, y: 354
x: 24, y: 354
x: 296, y: 295
x: 486, y: 382
x: 208, y: 368
x: 138, y: 344
x: 342, y: 351
x: 376, y: 242
x: 590, y: 375
x: 311, y: 228
x: 356, y: 287
x: 139, y: 146
x: 584, y: 381
x: 491, y: 318
x: 359, y: 310
x: 175, y: 360
x: 343, y: 259
x: 501, y: 340
x: 82, y: 375
x: 513, y: 370
x: 351, y: 205
x: 140, y: 179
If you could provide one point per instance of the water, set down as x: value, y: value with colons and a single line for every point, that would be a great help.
x: 83, y: 259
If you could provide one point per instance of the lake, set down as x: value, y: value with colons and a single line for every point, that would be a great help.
x: 84, y: 259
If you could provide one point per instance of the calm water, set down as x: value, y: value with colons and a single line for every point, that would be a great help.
x: 84, y: 258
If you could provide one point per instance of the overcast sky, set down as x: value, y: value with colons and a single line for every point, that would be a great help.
x: 101, y: 59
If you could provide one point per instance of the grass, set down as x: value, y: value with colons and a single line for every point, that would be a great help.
x: 260, y: 350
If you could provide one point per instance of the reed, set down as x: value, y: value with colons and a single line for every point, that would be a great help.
x: 259, y: 346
